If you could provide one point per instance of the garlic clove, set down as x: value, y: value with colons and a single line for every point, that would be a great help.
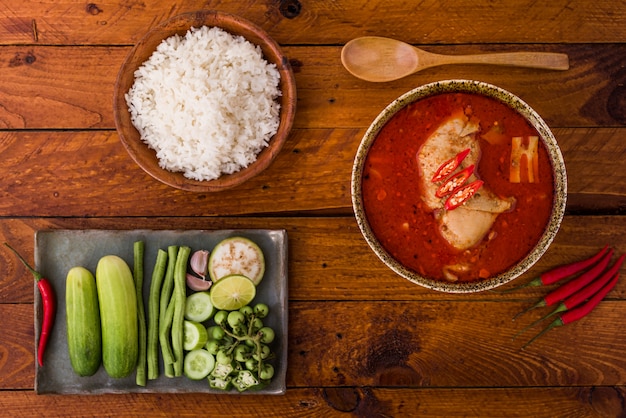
x: 197, y: 284
x: 199, y: 262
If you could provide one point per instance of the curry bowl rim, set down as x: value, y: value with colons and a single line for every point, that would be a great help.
x: 522, y: 108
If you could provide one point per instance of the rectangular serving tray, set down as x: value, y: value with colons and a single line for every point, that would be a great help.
x: 57, y: 251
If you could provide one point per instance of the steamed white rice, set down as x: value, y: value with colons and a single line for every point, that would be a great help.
x: 206, y: 103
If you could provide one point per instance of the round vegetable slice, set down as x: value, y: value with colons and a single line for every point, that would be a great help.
x: 232, y: 292
x: 237, y: 255
x: 198, y: 307
x: 198, y: 364
x: 194, y: 335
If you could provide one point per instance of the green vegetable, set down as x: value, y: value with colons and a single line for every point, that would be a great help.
x: 222, y: 371
x: 165, y: 315
x: 165, y: 328
x: 242, y: 353
x: 212, y: 346
x: 237, y: 255
x: 235, y: 319
x: 267, y: 335
x: 198, y: 364
x: 153, y: 314
x: 245, y: 380
x: 118, y: 315
x: 240, y: 343
x: 267, y: 372
x: 180, y: 291
x: 138, y: 251
x: 215, y: 332
x: 223, y: 357
x: 199, y: 307
x: 261, y: 310
x: 194, y: 335
x: 220, y: 383
x: 84, y: 339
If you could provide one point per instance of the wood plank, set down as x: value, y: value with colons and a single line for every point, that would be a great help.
x: 588, y: 402
x: 72, y: 87
x: 320, y: 268
x: 295, y: 22
x: 89, y: 173
x: 58, y: 87
x: 449, y: 344
x: 431, y: 344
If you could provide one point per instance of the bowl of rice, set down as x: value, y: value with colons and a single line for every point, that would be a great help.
x: 204, y: 101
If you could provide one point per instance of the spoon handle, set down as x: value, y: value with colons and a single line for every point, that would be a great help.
x: 546, y: 60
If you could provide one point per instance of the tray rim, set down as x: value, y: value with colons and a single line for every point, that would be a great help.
x: 279, y: 260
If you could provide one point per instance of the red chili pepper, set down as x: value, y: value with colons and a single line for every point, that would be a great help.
x: 449, y: 166
x: 48, y: 299
x: 573, y: 285
x: 462, y: 194
x: 579, y: 312
x: 579, y: 297
x: 454, y: 182
x: 562, y: 272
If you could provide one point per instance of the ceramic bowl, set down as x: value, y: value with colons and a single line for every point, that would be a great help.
x: 556, y: 159
x: 146, y: 157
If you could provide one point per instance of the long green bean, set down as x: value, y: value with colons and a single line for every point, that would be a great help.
x: 165, y: 327
x: 166, y: 296
x: 180, y: 274
x: 153, y: 314
x: 138, y: 253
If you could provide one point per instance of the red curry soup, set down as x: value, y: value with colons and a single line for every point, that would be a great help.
x: 420, y: 173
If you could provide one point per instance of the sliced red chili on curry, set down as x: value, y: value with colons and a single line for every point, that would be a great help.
x: 463, y: 194
x: 449, y: 166
x: 454, y: 182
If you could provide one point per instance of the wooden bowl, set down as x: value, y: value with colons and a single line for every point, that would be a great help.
x: 504, y: 97
x: 146, y: 157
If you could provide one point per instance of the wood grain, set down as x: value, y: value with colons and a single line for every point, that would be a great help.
x: 570, y: 402
x: 320, y: 268
x: 72, y: 87
x: 434, y: 344
x: 295, y: 22
x: 74, y: 173
x: 363, y: 341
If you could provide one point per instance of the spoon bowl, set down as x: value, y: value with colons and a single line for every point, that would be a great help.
x: 379, y: 59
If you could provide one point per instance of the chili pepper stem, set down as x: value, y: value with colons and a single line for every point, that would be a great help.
x: 38, y: 276
x: 557, y: 323
x: 559, y: 309
x: 533, y: 283
x: 539, y: 304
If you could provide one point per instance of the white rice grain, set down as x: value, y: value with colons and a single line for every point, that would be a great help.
x: 206, y: 103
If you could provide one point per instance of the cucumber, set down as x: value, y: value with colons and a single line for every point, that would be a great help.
x: 84, y: 341
x: 118, y: 315
x: 198, y: 364
x: 237, y: 255
x: 195, y: 335
x: 198, y: 307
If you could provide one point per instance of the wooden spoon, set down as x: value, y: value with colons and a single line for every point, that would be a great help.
x: 378, y: 59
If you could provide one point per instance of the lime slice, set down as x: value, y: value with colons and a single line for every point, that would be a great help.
x: 198, y: 307
x: 198, y: 364
x: 194, y: 335
x: 232, y: 292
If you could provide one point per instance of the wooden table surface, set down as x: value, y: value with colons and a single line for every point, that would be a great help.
x: 362, y: 340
